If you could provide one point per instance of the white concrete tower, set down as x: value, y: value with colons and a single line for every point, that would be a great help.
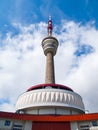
x: 50, y: 45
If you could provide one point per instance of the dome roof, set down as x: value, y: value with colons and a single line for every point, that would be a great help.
x: 44, y: 96
x: 56, y: 86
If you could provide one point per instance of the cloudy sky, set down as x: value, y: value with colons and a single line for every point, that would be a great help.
x: 23, y: 25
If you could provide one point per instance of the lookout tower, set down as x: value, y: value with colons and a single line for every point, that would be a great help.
x: 50, y: 98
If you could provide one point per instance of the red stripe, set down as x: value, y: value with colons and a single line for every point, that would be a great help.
x: 47, y: 118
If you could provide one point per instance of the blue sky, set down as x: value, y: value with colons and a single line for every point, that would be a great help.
x: 22, y: 28
x: 32, y: 11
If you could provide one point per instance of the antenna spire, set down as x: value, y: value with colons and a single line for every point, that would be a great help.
x: 50, y: 27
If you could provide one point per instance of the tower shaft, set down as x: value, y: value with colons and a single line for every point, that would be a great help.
x: 50, y: 73
x: 50, y: 45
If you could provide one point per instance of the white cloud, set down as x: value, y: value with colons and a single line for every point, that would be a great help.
x: 22, y: 62
x: 83, y: 77
x: 7, y: 107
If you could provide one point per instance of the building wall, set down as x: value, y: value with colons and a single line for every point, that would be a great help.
x: 51, y: 126
x: 18, y: 125
x: 51, y: 110
x: 88, y: 125
x: 33, y: 111
x: 74, y: 125
x: 12, y: 124
x: 5, y: 124
x: 28, y: 125
x: 94, y: 128
x: 47, y: 111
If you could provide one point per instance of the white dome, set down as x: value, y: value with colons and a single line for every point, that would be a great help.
x: 50, y: 97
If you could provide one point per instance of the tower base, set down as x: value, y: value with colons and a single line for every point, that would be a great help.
x: 50, y: 99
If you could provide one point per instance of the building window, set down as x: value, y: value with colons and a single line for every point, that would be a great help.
x: 84, y: 127
x: 17, y: 127
x: 7, y: 123
x: 94, y: 123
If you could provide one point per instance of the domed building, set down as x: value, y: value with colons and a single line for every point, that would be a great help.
x: 53, y: 99
x: 49, y: 106
x: 50, y: 98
